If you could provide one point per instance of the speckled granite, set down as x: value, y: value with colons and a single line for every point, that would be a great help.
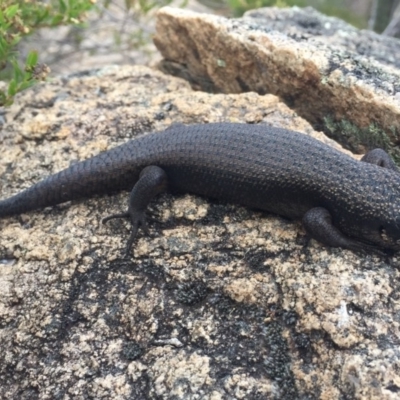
x: 221, y: 302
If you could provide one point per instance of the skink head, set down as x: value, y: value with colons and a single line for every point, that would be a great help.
x: 372, y: 215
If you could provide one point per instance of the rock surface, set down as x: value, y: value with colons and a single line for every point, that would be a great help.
x: 341, y: 80
x: 222, y: 302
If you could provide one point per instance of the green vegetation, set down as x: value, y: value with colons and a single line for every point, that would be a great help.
x: 335, y: 9
x: 19, y: 18
x: 239, y: 7
x: 145, y: 6
x: 359, y: 139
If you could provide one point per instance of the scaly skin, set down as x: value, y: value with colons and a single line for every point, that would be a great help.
x: 267, y: 168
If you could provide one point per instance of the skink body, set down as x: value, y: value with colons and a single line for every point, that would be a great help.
x: 343, y: 202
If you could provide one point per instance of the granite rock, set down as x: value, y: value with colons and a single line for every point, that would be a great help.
x: 220, y: 302
x: 343, y: 81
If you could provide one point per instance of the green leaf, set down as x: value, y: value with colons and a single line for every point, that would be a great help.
x: 18, y: 73
x: 145, y: 6
x: 26, y: 84
x: 11, y: 11
x: 63, y: 7
x: 3, y: 97
x: 32, y: 59
x: 27, y: 76
x: 3, y: 48
x: 57, y: 19
x: 15, y: 40
x: 19, y: 18
x: 12, y: 87
x: 42, y: 16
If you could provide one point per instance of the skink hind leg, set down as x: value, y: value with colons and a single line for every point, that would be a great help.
x: 152, y: 181
x: 318, y: 224
x: 381, y: 158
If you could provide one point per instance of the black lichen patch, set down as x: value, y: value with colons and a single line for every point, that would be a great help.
x: 351, y: 64
x: 255, y: 258
x: 191, y: 293
x: 393, y: 388
x: 276, y: 363
x: 245, y: 341
x: 216, y: 213
x: 131, y: 350
x: 303, y: 344
x: 148, y: 267
x: 289, y: 317
x: 388, y: 341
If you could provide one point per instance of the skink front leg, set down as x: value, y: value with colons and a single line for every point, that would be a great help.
x: 381, y: 158
x: 152, y: 181
x: 318, y: 224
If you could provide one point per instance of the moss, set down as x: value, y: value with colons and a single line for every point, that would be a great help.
x: 359, y: 139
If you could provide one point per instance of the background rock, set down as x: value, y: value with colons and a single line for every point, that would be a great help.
x: 340, y: 82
